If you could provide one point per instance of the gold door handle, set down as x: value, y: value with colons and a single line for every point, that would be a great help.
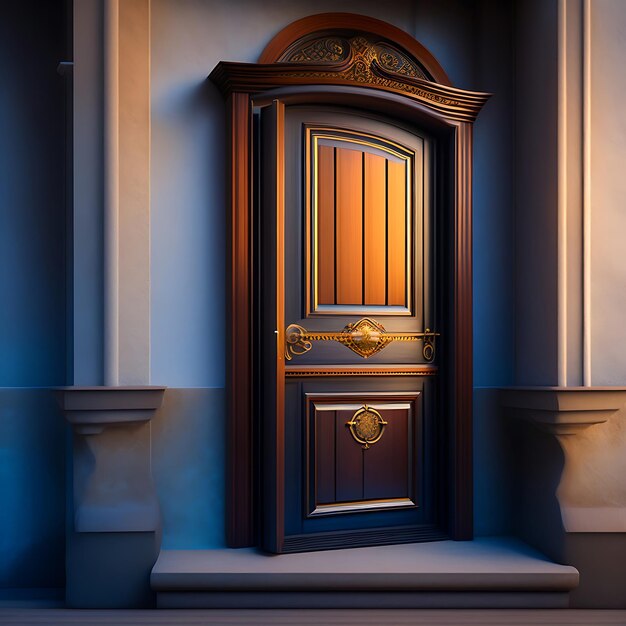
x: 365, y: 337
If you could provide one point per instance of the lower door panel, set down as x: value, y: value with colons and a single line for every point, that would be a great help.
x: 360, y: 462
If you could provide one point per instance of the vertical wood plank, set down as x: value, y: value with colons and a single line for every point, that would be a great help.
x: 349, y: 461
x: 272, y: 307
x: 386, y: 463
x: 462, y: 383
x: 375, y: 229
x: 240, y: 526
x: 278, y: 113
x: 324, y: 456
x: 349, y: 220
x: 396, y: 233
x: 326, y: 225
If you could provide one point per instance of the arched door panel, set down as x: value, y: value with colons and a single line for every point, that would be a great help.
x: 351, y: 197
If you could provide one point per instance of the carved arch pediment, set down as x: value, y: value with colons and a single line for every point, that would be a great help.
x: 340, y: 48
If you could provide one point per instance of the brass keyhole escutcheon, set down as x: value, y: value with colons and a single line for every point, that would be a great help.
x: 367, y: 426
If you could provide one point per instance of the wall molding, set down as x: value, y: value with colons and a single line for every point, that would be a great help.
x: 564, y: 410
x: 586, y: 192
x: 111, y: 190
x: 126, y: 192
x: 566, y: 413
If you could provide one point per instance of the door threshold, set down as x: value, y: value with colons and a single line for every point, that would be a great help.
x: 489, y: 572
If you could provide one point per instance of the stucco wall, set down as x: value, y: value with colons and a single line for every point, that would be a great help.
x: 608, y: 192
x: 536, y: 193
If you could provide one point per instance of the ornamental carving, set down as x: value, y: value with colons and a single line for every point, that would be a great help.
x: 322, y: 50
x: 360, y: 53
x: 361, y: 73
x: 362, y: 60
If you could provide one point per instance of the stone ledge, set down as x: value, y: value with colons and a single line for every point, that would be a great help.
x: 443, y: 569
x: 594, y: 519
x: 564, y: 410
x: 91, y: 409
x: 363, y: 600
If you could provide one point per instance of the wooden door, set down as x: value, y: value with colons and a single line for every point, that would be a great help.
x: 348, y: 331
x: 292, y: 482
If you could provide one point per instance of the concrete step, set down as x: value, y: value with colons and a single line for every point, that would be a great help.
x: 494, y: 572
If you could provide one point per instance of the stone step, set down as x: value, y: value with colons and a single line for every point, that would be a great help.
x: 494, y: 572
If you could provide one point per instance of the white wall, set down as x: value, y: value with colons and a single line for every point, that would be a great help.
x: 88, y: 187
x: 608, y: 192
x: 536, y: 192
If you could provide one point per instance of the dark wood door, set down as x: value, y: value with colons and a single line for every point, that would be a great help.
x: 348, y: 328
x: 293, y: 270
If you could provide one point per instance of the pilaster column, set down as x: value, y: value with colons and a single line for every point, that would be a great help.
x: 114, y: 528
x: 570, y: 492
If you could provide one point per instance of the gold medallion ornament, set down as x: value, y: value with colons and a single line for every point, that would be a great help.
x: 367, y: 426
x: 366, y: 337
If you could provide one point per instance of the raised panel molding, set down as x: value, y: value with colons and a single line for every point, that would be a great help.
x: 384, y: 478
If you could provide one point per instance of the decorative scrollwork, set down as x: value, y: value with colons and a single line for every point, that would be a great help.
x: 365, y: 338
x: 428, y: 351
x: 366, y: 75
x: 369, y: 62
x: 362, y: 52
x: 322, y: 50
x: 367, y: 426
x: 395, y: 61
x: 296, y: 341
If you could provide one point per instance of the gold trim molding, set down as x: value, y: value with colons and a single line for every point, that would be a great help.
x: 379, y: 145
x: 362, y: 505
x: 303, y: 371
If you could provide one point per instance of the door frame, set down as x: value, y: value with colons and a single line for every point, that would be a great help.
x: 446, y: 112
